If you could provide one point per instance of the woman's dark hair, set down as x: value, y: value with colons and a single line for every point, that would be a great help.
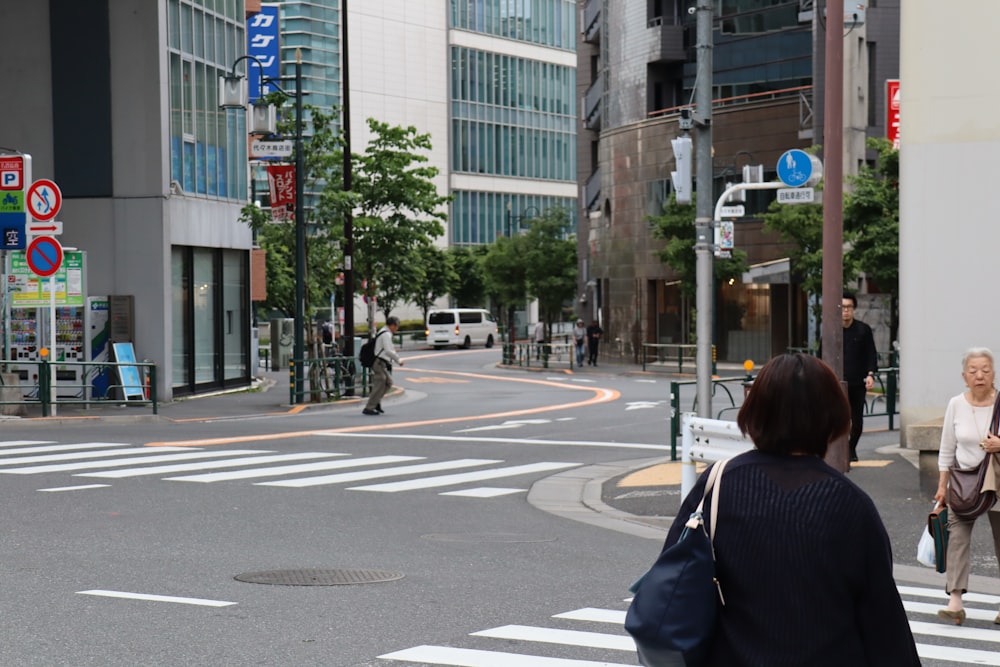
x: 796, y: 404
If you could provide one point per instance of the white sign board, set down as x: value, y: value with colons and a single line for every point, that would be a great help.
x: 260, y: 149
x: 733, y: 211
x: 796, y: 195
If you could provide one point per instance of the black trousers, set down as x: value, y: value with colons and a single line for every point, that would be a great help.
x: 856, y: 398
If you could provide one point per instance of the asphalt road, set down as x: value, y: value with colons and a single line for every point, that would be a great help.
x: 494, y: 500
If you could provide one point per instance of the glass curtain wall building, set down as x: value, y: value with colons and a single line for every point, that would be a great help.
x: 513, y: 125
x: 208, y: 160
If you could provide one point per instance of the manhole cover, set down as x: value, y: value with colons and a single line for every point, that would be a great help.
x: 318, y: 577
x: 494, y: 538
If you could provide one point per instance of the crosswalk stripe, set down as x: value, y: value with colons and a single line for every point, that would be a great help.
x: 62, y: 448
x: 81, y: 487
x: 158, y: 598
x: 956, y: 654
x: 208, y: 465
x: 952, y: 631
x: 932, y: 609
x: 18, y: 443
x: 595, y: 615
x: 938, y: 593
x: 377, y: 474
x: 79, y: 455
x: 152, y: 457
x: 461, y: 478
x: 556, y: 636
x: 484, y: 492
x: 285, y: 470
x: 465, y: 657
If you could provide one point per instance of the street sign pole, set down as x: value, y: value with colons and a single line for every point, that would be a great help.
x: 52, y: 343
x: 704, y: 278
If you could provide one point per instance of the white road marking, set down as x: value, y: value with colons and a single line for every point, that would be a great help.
x: 18, y: 443
x: 157, y: 598
x: 62, y: 448
x: 483, y: 492
x: 939, y: 594
x: 932, y: 609
x: 287, y: 470
x: 77, y: 488
x: 461, y: 478
x: 954, y: 631
x: 556, y: 636
x: 131, y: 460
x: 84, y: 455
x: 509, y: 441
x: 208, y: 465
x: 512, y: 423
x: 378, y: 474
x: 643, y: 405
x: 464, y: 657
x: 955, y: 654
x: 594, y: 615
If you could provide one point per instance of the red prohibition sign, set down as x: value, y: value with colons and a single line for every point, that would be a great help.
x: 44, y: 255
x: 44, y: 199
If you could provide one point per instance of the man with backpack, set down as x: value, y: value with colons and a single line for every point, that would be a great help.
x: 384, y: 353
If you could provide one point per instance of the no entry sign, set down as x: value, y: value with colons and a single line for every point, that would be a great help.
x: 44, y: 256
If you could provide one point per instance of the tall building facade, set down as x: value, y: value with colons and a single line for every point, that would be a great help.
x: 636, y: 67
x: 118, y: 104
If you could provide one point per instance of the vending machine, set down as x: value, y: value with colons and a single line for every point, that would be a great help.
x: 30, y: 320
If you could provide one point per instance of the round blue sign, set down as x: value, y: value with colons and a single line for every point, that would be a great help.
x: 795, y: 168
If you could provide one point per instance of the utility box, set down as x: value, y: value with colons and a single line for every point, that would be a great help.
x: 282, y: 342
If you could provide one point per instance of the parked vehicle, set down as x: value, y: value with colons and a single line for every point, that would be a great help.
x: 463, y: 327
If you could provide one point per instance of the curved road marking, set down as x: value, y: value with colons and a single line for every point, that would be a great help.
x: 600, y: 396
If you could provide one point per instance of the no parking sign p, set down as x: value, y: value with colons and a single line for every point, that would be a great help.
x: 44, y: 256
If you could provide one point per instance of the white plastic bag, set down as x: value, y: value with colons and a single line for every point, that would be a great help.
x: 925, y: 549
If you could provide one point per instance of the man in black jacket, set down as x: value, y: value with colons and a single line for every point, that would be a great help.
x: 860, y: 366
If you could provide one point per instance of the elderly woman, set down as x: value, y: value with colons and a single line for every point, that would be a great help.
x: 965, y: 440
x: 802, y: 557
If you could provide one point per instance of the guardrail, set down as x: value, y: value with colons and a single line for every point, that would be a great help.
x: 707, y: 440
x: 544, y: 355
x: 724, y: 384
x: 85, y: 392
x: 660, y: 354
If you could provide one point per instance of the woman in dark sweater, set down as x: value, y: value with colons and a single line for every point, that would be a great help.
x: 802, y: 557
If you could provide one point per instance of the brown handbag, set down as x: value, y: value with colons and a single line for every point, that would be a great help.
x: 967, y: 498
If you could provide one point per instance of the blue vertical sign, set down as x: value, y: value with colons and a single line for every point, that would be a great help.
x: 263, y: 44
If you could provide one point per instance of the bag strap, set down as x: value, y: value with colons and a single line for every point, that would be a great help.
x: 713, y: 476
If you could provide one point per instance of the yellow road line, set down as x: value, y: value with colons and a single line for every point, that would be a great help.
x: 600, y: 396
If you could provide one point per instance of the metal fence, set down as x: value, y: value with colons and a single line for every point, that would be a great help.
x: 328, y: 379
x: 97, y: 385
x: 665, y: 355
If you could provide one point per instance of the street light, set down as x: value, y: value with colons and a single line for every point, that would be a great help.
x: 232, y: 95
x: 519, y: 218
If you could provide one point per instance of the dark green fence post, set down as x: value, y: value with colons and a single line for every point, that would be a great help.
x: 890, y: 399
x: 291, y: 382
x: 44, y: 385
x: 675, y: 418
x: 152, y: 387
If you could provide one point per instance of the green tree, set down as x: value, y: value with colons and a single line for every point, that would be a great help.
x: 397, y: 210
x: 506, y: 275
x: 550, y: 263
x: 436, y: 276
x: 468, y: 287
x: 871, y: 221
x: 320, y: 147
x: 676, y: 227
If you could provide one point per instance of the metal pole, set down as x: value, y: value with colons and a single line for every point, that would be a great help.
x: 833, y: 207
x: 703, y: 221
x: 300, y: 233
x: 349, y: 215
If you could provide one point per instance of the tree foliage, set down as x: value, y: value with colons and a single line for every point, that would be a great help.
x: 871, y: 221
x: 435, y: 279
x: 468, y: 288
x: 550, y: 261
x: 676, y: 226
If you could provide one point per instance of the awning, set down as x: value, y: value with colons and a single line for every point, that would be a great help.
x: 775, y: 272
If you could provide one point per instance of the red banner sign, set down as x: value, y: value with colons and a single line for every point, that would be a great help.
x: 281, y: 180
x: 892, y: 111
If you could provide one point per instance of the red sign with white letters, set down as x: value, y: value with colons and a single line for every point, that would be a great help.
x: 281, y: 181
x: 892, y: 111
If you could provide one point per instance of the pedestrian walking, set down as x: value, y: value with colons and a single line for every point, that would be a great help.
x: 594, y: 333
x: 385, y: 355
x: 860, y: 366
x: 965, y: 441
x: 579, y: 340
x: 802, y: 559
x: 539, y: 338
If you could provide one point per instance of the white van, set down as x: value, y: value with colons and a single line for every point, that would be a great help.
x: 463, y: 327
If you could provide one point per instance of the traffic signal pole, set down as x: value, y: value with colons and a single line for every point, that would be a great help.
x: 704, y: 208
